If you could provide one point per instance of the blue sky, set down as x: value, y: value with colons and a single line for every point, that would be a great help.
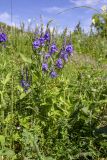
x: 26, y: 10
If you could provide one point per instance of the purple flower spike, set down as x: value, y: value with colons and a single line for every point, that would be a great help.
x: 53, y: 74
x: 42, y: 41
x: 69, y: 48
x: 53, y: 49
x: 44, y: 67
x: 47, y: 56
x: 59, y: 63
x: 36, y: 44
x: 47, y: 36
x: 25, y: 85
x: 64, y: 56
x: 3, y: 37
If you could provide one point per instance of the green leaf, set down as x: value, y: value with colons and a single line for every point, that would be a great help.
x: 1, y: 153
x: 16, y: 136
x: 2, y: 140
x: 7, y: 79
x: 23, y: 95
x: 19, y: 88
x: 25, y: 59
x: 48, y: 158
x: 104, y: 144
x: 85, y: 110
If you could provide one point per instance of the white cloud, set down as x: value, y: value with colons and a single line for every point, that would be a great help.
x: 53, y: 9
x: 85, y: 2
x: 5, y: 17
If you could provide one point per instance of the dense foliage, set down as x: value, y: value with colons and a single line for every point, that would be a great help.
x: 53, y: 96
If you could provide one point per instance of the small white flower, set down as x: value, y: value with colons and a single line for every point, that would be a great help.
x: 104, y: 8
x: 18, y: 128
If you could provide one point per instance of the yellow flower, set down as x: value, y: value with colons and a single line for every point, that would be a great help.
x: 93, y: 21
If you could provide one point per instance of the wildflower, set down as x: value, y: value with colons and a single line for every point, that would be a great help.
x: 64, y: 56
x: 36, y: 44
x: 53, y: 74
x: 18, y: 128
x: 47, y: 36
x: 42, y: 41
x: 53, y: 49
x: 3, y: 37
x: 47, y: 56
x: 25, y: 85
x: 59, y: 63
x: 69, y: 48
x: 44, y: 67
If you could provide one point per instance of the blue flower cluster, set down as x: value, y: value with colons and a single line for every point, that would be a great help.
x: 59, y: 63
x: 39, y: 42
x: 3, y: 37
x: 44, y: 67
x: 53, y: 49
x: 53, y: 58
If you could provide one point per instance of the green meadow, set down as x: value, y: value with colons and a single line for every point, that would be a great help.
x: 54, y: 116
